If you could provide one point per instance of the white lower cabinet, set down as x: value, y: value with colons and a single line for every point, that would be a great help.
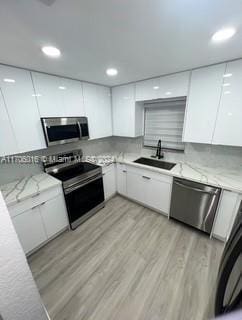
x: 151, y: 189
x: 226, y: 213
x: 30, y: 229
x: 121, y: 179
x: 54, y: 216
x: 109, y: 181
x: 38, y: 219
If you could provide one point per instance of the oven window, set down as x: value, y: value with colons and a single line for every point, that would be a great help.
x: 82, y: 200
x: 56, y: 133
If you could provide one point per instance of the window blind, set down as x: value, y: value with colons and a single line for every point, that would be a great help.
x: 164, y: 120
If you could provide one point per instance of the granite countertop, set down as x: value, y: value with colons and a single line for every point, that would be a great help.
x: 218, y: 177
x: 27, y: 187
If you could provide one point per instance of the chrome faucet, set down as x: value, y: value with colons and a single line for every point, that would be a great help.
x: 159, y: 153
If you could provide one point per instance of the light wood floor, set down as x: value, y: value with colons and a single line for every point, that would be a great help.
x: 128, y: 262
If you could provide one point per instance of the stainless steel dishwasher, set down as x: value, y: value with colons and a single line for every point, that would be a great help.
x: 194, y: 203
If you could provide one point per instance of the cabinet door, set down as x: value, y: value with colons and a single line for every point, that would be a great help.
x: 30, y: 229
x: 73, y: 98
x: 109, y: 182
x: 54, y: 215
x: 158, y: 195
x: 8, y: 143
x: 18, y: 92
x: 136, y: 187
x: 227, y: 210
x: 123, y: 103
x: 97, y: 101
x: 121, y: 179
x: 203, y: 103
x: 49, y: 94
x: 148, y: 89
x: 228, y: 129
x: 175, y: 85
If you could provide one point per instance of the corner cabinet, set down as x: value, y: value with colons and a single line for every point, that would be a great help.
x: 203, y: 104
x: 228, y: 130
x: 97, y: 102
x: 19, y: 98
x: 127, y: 114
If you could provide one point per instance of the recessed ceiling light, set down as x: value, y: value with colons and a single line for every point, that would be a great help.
x: 223, y: 34
x: 62, y: 88
x: 51, y: 51
x: 156, y: 87
x: 168, y: 93
x: 227, y: 75
x: 111, y: 72
x: 9, y: 80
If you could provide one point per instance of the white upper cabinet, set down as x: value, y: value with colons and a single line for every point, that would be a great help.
x: 203, y: 103
x: 97, y: 102
x: 8, y: 143
x: 18, y: 93
x: 58, y: 97
x: 49, y: 95
x: 228, y: 129
x: 171, y: 86
x: 127, y: 115
x: 147, y: 89
x: 73, y: 97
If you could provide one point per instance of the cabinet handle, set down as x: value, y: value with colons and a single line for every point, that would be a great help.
x: 124, y: 171
x: 145, y: 177
x: 104, y: 174
x: 38, y: 205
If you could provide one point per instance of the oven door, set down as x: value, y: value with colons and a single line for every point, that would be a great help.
x: 84, y: 199
x: 64, y: 130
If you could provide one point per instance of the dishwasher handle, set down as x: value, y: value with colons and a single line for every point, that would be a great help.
x: 213, y: 193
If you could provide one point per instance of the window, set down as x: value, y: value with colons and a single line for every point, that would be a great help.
x: 164, y: 120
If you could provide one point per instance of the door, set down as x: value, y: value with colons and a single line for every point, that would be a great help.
x: 194, y: 203
x: 203, y: 103
x: 109, y: 182
x: 136, y: 186
x: 80, y: 200
x: 121, y: 179
x: 8, y: 143
x: 97, y: 101
x: 49, y: 94
x: 73, y: 98
x: 54, y: 215
x: 123, y: 104
x: 158, y: 195
x: 30, y: 229
x: 20, y: 101
x: 228, y: 129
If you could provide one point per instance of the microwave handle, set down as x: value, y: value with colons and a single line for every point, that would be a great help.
x: 80, y: 128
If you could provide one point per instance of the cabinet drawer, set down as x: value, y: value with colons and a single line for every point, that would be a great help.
x: 150, y: 174
x: 34, y: 201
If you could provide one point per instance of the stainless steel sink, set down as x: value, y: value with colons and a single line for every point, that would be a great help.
x: 156, y: 163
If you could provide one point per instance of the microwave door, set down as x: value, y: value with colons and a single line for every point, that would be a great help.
x: 84, y: 132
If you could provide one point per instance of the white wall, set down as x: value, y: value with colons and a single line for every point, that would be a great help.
x: 19, y: 297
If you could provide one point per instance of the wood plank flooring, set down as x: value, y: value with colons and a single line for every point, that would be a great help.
x: 128, y: 262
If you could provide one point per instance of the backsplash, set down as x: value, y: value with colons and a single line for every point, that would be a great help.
x: 207, y: 155
x: 13, y: 171
x: 204, y: 154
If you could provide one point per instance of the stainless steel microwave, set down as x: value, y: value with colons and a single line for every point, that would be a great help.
x: 64, y: 130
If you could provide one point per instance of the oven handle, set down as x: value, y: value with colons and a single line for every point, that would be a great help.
x: 83, y: 183
x: 80, y: 128
x: 196, y: 189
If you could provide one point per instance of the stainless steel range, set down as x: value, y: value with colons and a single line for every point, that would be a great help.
x: 82, y: 184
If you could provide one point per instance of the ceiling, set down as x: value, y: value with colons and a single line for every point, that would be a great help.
x: 140, y: 38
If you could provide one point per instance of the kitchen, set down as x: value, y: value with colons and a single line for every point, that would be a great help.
x: 123, y: 184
